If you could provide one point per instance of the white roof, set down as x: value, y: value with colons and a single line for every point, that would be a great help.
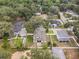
x: 23, y: 32
x: 58, y: 53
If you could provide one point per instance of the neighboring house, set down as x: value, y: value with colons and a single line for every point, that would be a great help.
x: 40, y: 35
x: 17, y: 26
x: 23, y: 34
x: 58, y: 53
x: 20, y: 30
x: 62, y: 35
x: 55, y: 23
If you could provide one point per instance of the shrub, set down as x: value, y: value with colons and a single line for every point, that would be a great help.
x: 23, y: 57
x: 5, y: 54
x: 5, y: 40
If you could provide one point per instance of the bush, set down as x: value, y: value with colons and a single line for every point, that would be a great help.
x: 54, y: 9
x: 23, y: 57
x: 5, y: 54
x: 5, y: 40
x: 45, y: 46
x: 67, y: 25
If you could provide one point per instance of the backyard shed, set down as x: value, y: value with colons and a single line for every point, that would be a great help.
x: 58, y: 53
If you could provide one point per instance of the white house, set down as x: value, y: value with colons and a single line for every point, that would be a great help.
x: 19, y: 30
x: 40, y: 35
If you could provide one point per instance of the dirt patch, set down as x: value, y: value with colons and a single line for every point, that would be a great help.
x: 20, y: 54
x: 63, y: 44
x: 72, y: 53
x: 17, y: 55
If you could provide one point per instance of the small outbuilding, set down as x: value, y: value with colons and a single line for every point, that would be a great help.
x: 58, y: 53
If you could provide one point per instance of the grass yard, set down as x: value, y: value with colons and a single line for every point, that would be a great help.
x: 50, y: 32
x: 29, y: 40
x: 53, y: 39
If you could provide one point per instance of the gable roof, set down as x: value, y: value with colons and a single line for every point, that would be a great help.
x: 58, y: 53
x: 62, y: 35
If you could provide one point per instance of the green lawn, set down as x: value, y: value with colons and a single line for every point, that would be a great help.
x: 50, y: 32
x: 53, y: 40
x: 29, y: 40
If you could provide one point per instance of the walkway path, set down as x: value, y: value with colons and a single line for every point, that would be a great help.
x: 18, y: 54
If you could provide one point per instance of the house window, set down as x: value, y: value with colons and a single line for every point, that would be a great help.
x: 38, y: 40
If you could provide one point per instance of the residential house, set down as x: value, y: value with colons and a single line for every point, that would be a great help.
x: 40, y: 35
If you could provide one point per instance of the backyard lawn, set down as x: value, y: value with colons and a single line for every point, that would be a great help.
x: 50, y: 32
x: 29, y: 40
x: 53, y: 40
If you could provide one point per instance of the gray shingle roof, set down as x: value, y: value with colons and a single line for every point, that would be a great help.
x: 62, y: 35
x: 40, y: 34
x: 17, y: 26
x: 58, y: 53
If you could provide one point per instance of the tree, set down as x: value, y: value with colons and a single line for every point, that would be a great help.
x: 54, y: 10
x: 41, y: 54
x: 76, y: 9
x: 34, y: 23
x: 4, y: 54
x: 75, y: 1
x: 63, y: 7
x: 5, y: 27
